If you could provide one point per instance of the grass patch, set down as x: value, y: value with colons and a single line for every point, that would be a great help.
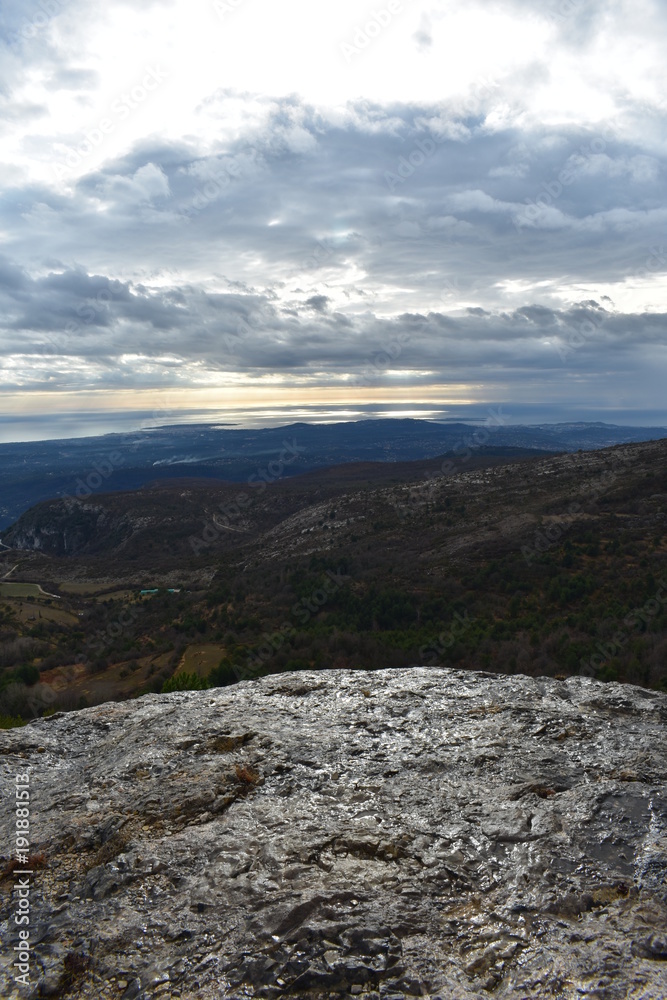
x: 117, y: 595
x: 84, y: 588
x: 11, y: 721
x: 44, y: 612
x: 184, y: 682
x: 200, y: 659
x: 20, y: 590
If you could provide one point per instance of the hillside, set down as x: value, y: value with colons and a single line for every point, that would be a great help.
x: 40, y: 470
x: 399, y: 833
x: 552, y: 566
x: 160, y: 524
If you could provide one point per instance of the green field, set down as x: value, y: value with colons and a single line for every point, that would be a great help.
x: 27, y: 613
x: 20, y: 590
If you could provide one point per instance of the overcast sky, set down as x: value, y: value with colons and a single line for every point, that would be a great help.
x: 251, y: 203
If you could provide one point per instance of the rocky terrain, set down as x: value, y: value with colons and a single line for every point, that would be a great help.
x: 167, y: 523
x: 338, y: 833
x: 470, y: 500
x: 79, y: 467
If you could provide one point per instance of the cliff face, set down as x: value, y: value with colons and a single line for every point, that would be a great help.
x: 406, y: 832
x: 68, y: 527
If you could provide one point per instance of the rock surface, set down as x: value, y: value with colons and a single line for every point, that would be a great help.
x: 386, y: 834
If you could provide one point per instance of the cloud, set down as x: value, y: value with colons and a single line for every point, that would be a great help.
x: 147, y: 183
x: 239, y: 233
x: 318, y: 303
x: 71, y: 78
x: 423, y: 36
x: 89, y: 330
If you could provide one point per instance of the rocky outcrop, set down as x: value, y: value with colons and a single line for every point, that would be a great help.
x: 386, y: 834
x: 68, y: 527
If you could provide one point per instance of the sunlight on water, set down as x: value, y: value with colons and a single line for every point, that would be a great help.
x: 39, y: 427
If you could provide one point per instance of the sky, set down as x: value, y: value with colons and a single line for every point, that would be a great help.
x: 250, y: 207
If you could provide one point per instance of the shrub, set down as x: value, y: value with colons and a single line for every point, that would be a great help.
x: 28, y: 674
x: 185, y: 682
x: 11, y: 721
x: 223, y: 674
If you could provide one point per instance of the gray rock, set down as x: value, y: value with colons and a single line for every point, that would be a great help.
x: 452, y: 834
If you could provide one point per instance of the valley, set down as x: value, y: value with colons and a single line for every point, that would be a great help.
x: 553, y: 566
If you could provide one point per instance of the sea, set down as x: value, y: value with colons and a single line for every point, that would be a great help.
x: 91, y: 423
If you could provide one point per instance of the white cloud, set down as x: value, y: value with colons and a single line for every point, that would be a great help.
x: 146, y: 184
x: 184, y: 154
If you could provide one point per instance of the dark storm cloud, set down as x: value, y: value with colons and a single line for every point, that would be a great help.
x: 93, y: 320
x: 318, y: 303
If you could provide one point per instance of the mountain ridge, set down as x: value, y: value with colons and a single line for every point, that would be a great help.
x: 35, y: 471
